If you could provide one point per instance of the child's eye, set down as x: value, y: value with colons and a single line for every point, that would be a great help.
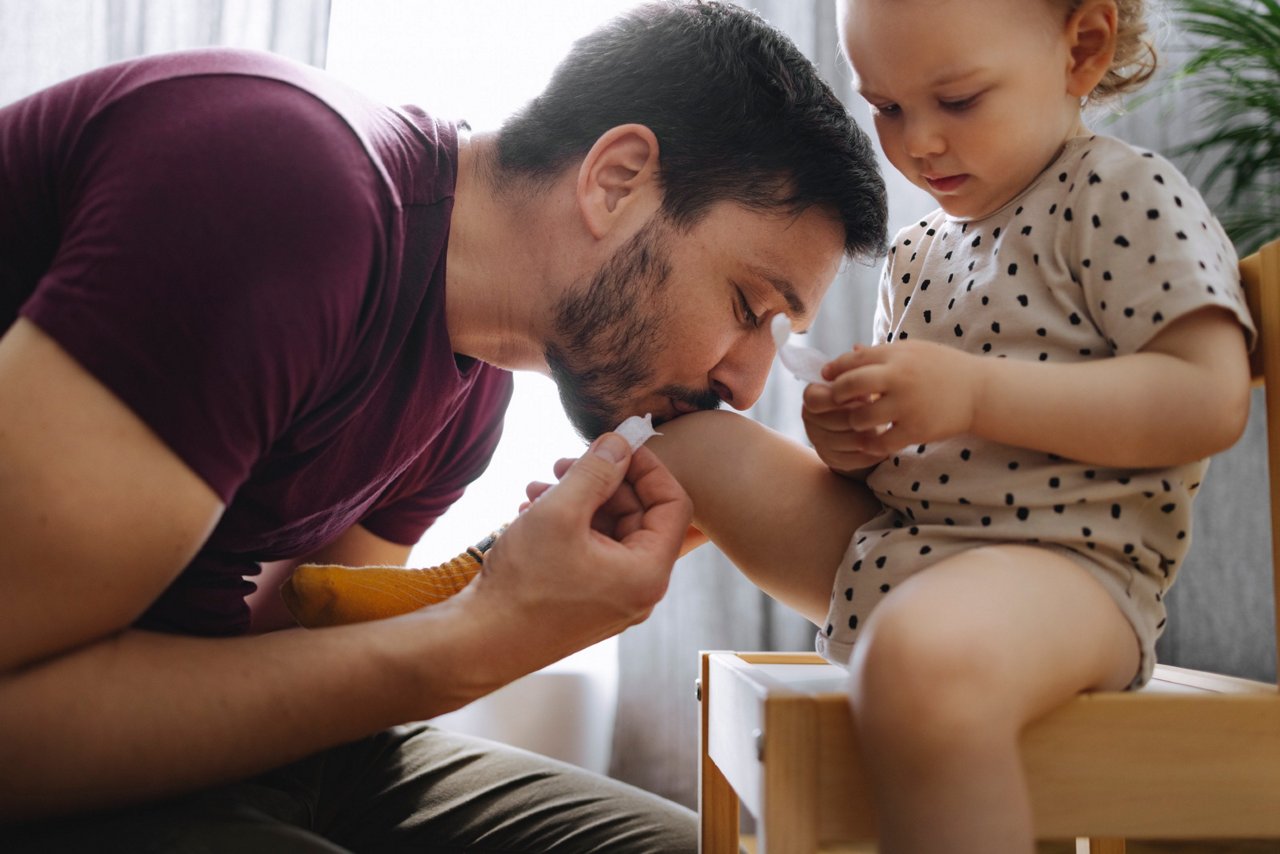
x: 887, y: 110
x: 749, y: 317
x: 959, y: 105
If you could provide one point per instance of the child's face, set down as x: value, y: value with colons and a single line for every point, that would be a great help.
x: 969, y: 97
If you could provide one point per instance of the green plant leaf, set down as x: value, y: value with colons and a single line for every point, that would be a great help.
x: 1234, y: 67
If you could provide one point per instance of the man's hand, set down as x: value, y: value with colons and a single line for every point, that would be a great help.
x: 888, y: 397
x: 589, y: 556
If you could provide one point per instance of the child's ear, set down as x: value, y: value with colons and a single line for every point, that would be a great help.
x: 1091, y: 37
x: 618, y: 179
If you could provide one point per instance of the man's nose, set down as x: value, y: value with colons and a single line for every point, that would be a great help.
x: 740, y: 376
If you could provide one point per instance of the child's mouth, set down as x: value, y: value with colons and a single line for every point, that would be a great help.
x: 946, y: 183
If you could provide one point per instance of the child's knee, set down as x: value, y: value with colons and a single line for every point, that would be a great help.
x: 924, y: 683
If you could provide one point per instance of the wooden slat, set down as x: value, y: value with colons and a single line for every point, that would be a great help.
x: 1144, y: 766
x: 789, y: 818
x: 735, y: 713
x: 717, y: 802
x: 1268, y: 288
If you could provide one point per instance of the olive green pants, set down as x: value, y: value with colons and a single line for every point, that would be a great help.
x: 410, y: 789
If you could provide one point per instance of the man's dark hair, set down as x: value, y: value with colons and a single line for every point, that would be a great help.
x: 740, y: 115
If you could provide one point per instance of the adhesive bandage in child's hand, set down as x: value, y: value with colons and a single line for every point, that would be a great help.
x: 804, y: 362
x: 637, y: 430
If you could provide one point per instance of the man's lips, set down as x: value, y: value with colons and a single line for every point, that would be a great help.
x: 945, y: 183
x: 684, y: 407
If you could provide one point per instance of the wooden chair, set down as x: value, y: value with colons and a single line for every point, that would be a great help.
x: 1193, y: 755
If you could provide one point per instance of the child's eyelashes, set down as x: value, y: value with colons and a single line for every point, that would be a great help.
x: 951, y: 105
x: 959, y: 105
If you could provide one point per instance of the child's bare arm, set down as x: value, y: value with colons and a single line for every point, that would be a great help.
x: 1183, y: 397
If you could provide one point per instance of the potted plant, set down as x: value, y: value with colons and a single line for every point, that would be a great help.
x: 1234, y: 68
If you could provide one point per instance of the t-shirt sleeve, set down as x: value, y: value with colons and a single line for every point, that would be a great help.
x: 219, y: 235
x: 438, y: 478
x: 1147, y: 250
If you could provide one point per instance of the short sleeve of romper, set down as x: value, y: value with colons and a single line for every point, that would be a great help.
x: 1102, y: 252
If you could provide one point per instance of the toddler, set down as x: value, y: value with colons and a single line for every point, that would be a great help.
x: 1058, y: 349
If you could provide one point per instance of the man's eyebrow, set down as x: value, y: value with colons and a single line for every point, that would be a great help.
x: 798, y: 310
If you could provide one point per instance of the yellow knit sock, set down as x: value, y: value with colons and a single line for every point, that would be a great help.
x: 329, y: 595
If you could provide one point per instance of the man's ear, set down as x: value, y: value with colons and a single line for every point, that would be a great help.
x: 618, y: 179
x: 1091, y: 37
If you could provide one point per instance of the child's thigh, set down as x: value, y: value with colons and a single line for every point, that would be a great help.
x: 1004, y: 630
x: 767, y: 502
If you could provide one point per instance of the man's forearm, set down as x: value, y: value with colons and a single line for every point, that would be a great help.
x: 143, y: 715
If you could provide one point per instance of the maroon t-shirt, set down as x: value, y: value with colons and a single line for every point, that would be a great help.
x: 252, y: 258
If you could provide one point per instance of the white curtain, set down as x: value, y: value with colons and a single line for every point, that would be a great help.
x: 47, y: 41
x: 1220, y: 610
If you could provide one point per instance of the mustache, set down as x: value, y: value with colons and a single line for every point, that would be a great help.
x: 700, y: 400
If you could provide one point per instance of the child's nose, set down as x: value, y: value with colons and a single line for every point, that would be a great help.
x: 923, y: 138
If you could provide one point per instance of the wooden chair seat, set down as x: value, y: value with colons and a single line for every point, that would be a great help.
x: 1193, y: 755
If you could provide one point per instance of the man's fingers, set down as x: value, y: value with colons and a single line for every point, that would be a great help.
x: 666, y: 507
x: 592, y: 478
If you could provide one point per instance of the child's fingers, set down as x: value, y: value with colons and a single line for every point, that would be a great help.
x: 819, y: 398
x: 869, y: 416
x: 860, y: 385
x: 822, y: 399
x: 858, y: 357
x: 882, y: 443
x: 832, y: 421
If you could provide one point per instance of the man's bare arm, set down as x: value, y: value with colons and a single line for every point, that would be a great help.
x: 98, y: 515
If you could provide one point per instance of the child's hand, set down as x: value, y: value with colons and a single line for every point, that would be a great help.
x: 887, y: 397
x: 842, y: 448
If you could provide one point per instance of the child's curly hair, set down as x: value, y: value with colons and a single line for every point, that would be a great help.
x: 1135, y: 59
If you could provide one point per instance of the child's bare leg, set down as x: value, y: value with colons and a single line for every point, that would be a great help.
x: 768, y: 502
x: 952, y: 665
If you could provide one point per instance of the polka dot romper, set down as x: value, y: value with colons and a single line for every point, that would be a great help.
x: 1105, y: 249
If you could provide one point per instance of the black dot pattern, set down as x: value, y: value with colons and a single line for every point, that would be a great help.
x: 1090, y: 262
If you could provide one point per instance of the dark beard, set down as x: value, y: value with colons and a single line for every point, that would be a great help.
x: 607, y: 335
